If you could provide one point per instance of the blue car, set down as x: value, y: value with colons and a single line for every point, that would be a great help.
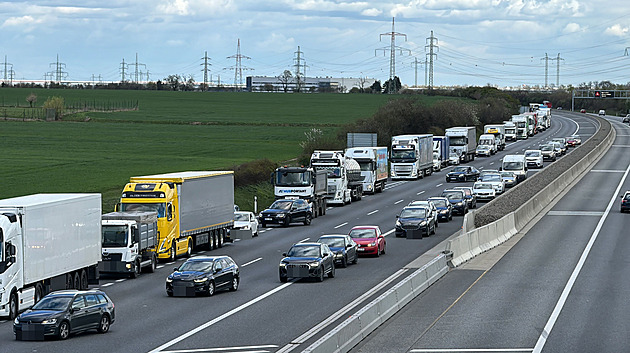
x: 444, y: 208
x: 457, y: 198
x: 343, y: 247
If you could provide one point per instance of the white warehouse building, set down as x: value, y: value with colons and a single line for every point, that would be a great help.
x: 310, y: 84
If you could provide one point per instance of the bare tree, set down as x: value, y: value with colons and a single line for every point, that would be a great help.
x: 284, y: 79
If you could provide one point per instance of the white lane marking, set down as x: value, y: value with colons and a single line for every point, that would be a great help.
x: 388, y: 232
x: 107, y: 284
x: 438, y: 185
x: 373, y: 212
x: 481, y: 350
x: 218, y: 319
x: 397, y: 202
x: 540, y: 344
x: 339, y: 313
x: 606, y: 171
x: 578, y: 127
x: 121, y: 280
x: 341, y: 225
x: 574, y: 213
x: 420, y: 193
x: 491, y: 163
x: 251, y: 262
x: 242, y: 349
x: 159, y: 266
x: 625, y: 146
x: 303, y: 240
x: 394, y: 184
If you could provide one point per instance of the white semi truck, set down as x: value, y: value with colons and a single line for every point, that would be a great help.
x: 510, y: 131
x: 345, y: 183
x: 48, y: 242
x: 129, y: 243
x: 498, y: 130
x: 411, y: 156
x: 522, y: 126
x: 373, y: 163
x: 302, y: 183
x: 463, y: 142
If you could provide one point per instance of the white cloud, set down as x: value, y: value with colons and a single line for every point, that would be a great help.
x: 325, y: 5
x: 617, y: 30
x: 20, y: 21
x: 278, y: 42
x: 371, y: 12
x: 572, y: 28
x: 175, y: 7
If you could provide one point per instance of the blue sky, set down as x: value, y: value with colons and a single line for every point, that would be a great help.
x: 498, y: 42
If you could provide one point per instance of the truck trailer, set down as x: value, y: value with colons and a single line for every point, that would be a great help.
x: 373, y: 163
x: 129, y: 243
x: 48, y: 242
x: 411, y: 156
x: 345, y: 182
x: 195, y: 209
x: 302, y: 183
x: 463, y: 142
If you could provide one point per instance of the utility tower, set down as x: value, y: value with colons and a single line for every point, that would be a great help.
x: 546, y: 58
x: 137, y: 75
x: 433, y: 48
x: 123, y: 68
x: 8, y: 71
x: 557, y: 59
x: 414, y: 64
x: 300, y: 69
x: 238, y: 67
x: 205, y: 70
x: 392, y: 53
x: 59, y: 73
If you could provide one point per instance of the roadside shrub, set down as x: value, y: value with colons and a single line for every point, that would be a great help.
x: 56, y: 103
x: 253, y: 172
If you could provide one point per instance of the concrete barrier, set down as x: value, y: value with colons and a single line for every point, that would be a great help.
x: 359, y: 325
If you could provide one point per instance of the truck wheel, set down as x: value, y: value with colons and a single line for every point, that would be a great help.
x: 153, y: 264
x: 84, y: 280
x: 13, y: 306
x: 39, y: 292
x: 69, y: 283
x: 77, y: 281
x: 173, y: 252
x: 221, y: 237
x: 189, y: 248
x: 136, y: 269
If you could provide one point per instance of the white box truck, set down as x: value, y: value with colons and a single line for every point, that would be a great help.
x: 510, y: 131
x: 522, y: 126
x: 411, y: 156
x: 463, y: 142
x: 373, y: 163
x: 48, y: 242
x: 129, y: 243
x: 498, y: 130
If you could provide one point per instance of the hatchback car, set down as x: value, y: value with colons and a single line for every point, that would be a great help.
x: 370, y: 239
x: 287, y: 211
x: 444, y: 208
x: 457, y: 200
x: 625, y: 202
x: 65, y: 312
x: 483, y: 150
x: 453, y: 158
x: 534, y: 158
x: 509, y: 178
x: 462, y: 173
x: 414, y: 219
x: 558, y: 148
x: 244, y: 220
x: 582, y: 110
x: 307, y: 260
x: 203, y: 275
x: 484, y: 190
x: 496, y: 180
x: 343, y: 248
x: 548, y: 152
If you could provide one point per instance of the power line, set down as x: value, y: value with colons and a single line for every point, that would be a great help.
x: 59, y: 73
x: 392, y: 54
x: 205, y: 69
x: 238, y: 67
x: 300, y: 75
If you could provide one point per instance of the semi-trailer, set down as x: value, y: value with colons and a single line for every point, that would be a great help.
x: 411, y: 156
x: 441, y: 145
x: 195, y: 209
x: 373, y: 163
x: 48, y: 242
x: 345, y: 182
x: 463, y: 142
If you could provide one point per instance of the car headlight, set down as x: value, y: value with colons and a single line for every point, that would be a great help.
x: 461, y: 203
x: 49, y: 321
x: 16, y: 321
x: 283, y: 264
x: 423, y: 223
x: 200, y: 280
x: 169, y: 279
x: 314, y: 264
x: 398, y: 224
x: 444, y: 211
x: 281, y: 215
x: 372, y: 244
x: 339, y: 254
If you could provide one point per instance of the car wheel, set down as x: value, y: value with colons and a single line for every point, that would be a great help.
x: 307, y: 220
x: 170, y: 294
x: 64, y: 330
x: 437, y: 223
x: 434, y: 226
x: 383, y: 251
x: 103, y: 325
x: 331, y: 274
x: 234, y: 286
x: 344, y: 262
x: 378, y: 251
x: 321, y: 274
x: 287, y: 221
x: 356, y: 259
x: 210, y: 289
x: 283, y: 279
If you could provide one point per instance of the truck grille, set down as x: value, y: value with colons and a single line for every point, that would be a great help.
x: 332, y: 189
x: 403, y: 170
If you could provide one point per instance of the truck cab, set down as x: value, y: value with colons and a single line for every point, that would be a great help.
x: 490, y: 141
x: 304, y: 183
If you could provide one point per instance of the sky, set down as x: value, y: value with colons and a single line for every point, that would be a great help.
x: 477, y: 42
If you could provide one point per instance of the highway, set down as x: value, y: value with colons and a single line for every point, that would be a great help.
x: 558, y: 286
x: 265, y: 315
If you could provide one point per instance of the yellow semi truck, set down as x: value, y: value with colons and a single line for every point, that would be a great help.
x: 195, y: 209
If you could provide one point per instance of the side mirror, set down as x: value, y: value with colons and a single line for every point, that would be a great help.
x: 175, y: 269
x: 12, y: 259
x: 284, y: 254
x: 218, y: 270
x: 349, y: 246
x: 397, y: 216
x: 325, y: 254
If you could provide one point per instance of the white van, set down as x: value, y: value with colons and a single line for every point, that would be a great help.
x: 516, y: 164
x: 602, y: 112
x: 488, y: 140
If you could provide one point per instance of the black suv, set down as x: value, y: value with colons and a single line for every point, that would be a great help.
x: 286, y: 211
x: 64, y: 312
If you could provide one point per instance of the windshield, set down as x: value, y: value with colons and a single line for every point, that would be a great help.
x: 513, y: 165
x: 626, y: 197
x: 507, y: 174
x: 281, y: 205
x: 491, y: 177
x: 546, y: 148
x: 458, y: 140
x: 366, y: 166
x: 453, y: 155
x: 241, y: 217
x: 453, y: 195
x: 486, y: 142
x: 482, y: 186
x: 413, y: 213
x: 439, y: 202
x: 333, y: 172
x: 333, y: 242
x: 520, y: 124
x: 403, y: 154
x: 114, y: 236
x: 160, y: 208
x: 56, y: 303
x: 284, y: 178
x: 460, y: 169
x: 363, y: 233
x: 532, y: 154
x: 509, y: 130
x: 304, y: 251
x: 197, y: 266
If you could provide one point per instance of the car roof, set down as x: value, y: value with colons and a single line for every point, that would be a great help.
x: 206, y: 258
x: 308, y: 244
x: 333, y: 236
x: 73, y: 292
x: 365, y: 227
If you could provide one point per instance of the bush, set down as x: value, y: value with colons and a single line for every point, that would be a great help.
x: 253, y: 172
x: 56, y: 103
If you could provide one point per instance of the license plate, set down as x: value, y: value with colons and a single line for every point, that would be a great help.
x: 267, y: 219
x: 360, y: 249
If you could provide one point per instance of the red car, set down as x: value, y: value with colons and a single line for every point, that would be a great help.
x: 370, y: 240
